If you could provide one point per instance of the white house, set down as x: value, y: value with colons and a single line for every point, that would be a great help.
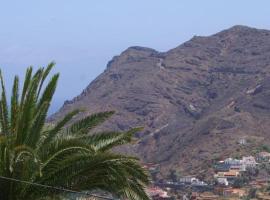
x: 188, y: 179
x: 249, y: 162
x: 223, y: 181
x: 243, y: 164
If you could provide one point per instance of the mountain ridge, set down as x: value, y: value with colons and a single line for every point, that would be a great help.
x: 195, y: 101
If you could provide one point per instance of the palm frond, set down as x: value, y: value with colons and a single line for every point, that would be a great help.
x: 28, y: 109
x: 45, y: 75
x: 36, y: 81
x: 14, y: 104
x: 107, y: 171
x: 27, y: 81
x: 37, y: 125
x: 50, y: 134
x: 84, y: 125
x: 48, y: 91
x: 106, y: 141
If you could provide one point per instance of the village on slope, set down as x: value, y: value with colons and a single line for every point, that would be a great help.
x: 247, y: 177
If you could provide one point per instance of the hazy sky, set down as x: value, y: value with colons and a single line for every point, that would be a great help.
x: 82, y: 36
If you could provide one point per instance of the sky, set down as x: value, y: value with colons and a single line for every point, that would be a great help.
x: 82, y: 36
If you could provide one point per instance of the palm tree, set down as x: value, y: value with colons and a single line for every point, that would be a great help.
x: 62, y: 154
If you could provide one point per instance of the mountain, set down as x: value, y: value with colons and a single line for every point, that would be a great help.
x: 196, y: 101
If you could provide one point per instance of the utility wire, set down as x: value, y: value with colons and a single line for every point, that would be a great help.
x: 56, y: 188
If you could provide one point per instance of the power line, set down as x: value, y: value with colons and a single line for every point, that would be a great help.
x: 56, y: 188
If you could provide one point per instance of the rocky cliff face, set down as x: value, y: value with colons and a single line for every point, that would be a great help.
x: 195, y: 101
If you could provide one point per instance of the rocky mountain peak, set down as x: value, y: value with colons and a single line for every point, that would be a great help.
x: 134, y: 53
x: 195, y: 101
x: 139, y: 49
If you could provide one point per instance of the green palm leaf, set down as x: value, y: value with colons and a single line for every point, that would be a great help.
x: 84, y: 125
x: 45, y: 75
x: 14, y: 104
x: 48, y: 136
x: 27, y: 81
x: 66, y: 154
x: 108, y: 140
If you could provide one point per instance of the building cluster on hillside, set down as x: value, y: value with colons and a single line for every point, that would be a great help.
x: 234, y: 180
x: 230, y: 169
x: 191, y: 180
